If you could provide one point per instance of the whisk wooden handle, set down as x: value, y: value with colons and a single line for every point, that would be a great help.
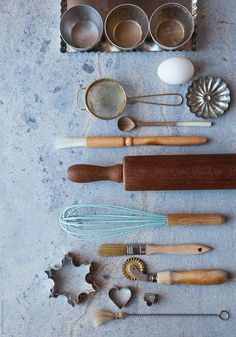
x: 195, y: 277
x: 194, y: 219
x: 83, y: 173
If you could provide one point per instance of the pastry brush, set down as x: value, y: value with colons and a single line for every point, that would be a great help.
x: 146, y: 249
x: 119, y: 141
x: 100, y: 316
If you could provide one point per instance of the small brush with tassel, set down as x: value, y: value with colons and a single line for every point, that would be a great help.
x: 100, y: 317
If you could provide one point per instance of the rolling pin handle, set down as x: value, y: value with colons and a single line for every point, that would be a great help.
x: 83, y: 173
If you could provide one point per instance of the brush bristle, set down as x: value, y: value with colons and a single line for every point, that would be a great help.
x: 100, y: 317
x: 112, y: 250
x: 63, y: 143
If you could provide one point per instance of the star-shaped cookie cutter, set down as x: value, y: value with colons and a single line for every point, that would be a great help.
x: 72, y: 279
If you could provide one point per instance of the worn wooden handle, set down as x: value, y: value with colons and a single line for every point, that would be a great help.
x: 196, y: 277
x: 194, y: 219
x: 170, y: 140
x: 83, y: 173
x: 177, y: 249
x: 106, y: 141
x: 139, y: 141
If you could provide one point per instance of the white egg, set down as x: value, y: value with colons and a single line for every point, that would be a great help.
x: 176, y: 70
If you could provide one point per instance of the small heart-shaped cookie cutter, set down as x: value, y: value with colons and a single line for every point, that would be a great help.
x: 120, y: 296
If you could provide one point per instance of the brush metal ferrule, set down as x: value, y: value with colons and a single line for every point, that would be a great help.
x: 136, y: 249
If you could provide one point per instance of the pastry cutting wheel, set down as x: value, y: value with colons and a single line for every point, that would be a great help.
x: 130, y: 264
x: 134, y: 269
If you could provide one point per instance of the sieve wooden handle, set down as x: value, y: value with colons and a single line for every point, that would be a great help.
x: 194, y: 219
x: 195, y: 277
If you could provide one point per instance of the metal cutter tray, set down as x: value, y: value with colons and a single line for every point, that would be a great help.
x: 104, y: 6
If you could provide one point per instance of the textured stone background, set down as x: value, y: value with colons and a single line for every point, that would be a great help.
x: 37, y: 99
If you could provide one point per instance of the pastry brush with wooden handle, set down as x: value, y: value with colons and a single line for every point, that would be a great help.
x: 146, y: 249
x: 119, y: 141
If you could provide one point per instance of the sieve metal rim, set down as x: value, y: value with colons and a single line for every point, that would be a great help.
x: 103, y: 80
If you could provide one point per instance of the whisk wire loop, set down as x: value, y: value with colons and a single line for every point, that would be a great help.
x: 94, y: 226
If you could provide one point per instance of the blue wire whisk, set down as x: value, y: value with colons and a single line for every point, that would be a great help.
x: 99, y: 222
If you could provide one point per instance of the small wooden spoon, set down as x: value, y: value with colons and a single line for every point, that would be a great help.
x: 126, y: 124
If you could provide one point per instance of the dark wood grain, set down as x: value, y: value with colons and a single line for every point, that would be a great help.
x: 180, y: 172
x: 83, y: 173
x: 63, y: 10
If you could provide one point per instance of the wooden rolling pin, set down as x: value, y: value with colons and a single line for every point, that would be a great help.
x: 151, y: 173
x: 63, y: 143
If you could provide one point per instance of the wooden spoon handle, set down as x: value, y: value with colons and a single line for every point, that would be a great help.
x: 83, y: 173
x: 195, y: 277
x: 195, y: 219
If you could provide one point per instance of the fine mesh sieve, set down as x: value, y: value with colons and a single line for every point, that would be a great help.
x: 107, y: 99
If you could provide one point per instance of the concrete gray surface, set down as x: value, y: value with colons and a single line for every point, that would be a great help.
x: 37, y: 98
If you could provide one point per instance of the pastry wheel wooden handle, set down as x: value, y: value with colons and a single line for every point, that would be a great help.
x: 195, y: 277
